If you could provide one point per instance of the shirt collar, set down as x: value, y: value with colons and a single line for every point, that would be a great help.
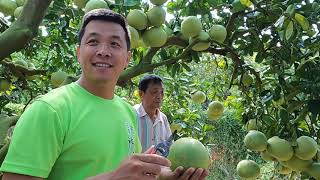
x: 142, y: 113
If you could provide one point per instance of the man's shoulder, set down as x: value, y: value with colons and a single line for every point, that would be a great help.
x: 56, y: 96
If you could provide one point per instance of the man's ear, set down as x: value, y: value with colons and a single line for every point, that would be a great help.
x: 78, y: 53
x: 128, y: 59
x: 141, y: 93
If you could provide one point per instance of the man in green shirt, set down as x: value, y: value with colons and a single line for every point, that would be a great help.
x: 83, y: 130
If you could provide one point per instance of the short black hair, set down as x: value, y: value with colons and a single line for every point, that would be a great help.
x: 149, y: 79
x: 104, y: 15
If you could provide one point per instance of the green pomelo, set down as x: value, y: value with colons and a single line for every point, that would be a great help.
x: 7, y: 7
x: 283, y: 169
x: 218, y: 33
x: 200, y: 46
x: 213, y: 117
x: 248, y: 169
x: 158, y: 2
x: 188, y: 152
x: 58, y: 77
x: 256, y: 141
x: 279, y: 148
x: 237, y: 6
x: 266, y: 156
x: 314, y: 170
x: 134, y: 37
x: 155, y: 37
x: 18, y: 11
x: 21, y: 63
x: 191, y: 26
x: 215, y: 107
x: 80, y: 3
x: 253, y: 124
x: 156, y: 16
x: 20, y: 2
x: 297, y: 164
x: 247, y: 79
x: 4, y: 85
x: 137, y: 19
x: 95, y: 4
x: 198, y: 97
x: 306, y: 148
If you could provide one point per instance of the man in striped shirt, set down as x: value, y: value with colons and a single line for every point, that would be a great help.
x: 153, y: 124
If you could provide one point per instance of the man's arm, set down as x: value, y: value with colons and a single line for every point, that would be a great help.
x: 12, y: 176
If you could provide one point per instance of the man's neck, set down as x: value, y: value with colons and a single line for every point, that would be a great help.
x: 103, y: 90
x: 152, y: 112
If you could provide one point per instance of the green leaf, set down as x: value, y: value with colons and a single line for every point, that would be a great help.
x: 186, y: 67
x: 290, y: 10
x: 289, y: 30
x: 279, y: 22
x: 302, y: 21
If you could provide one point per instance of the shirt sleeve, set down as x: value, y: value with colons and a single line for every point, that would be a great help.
x: 36, y: 142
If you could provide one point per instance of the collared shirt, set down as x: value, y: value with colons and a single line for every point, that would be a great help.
x: 151, y: 133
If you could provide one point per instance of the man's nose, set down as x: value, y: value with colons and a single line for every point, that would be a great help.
x: 104, y: 51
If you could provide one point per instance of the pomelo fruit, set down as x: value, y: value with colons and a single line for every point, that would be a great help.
x: 188, y: 152
x: 134, y: 37
x: 156, y: 16
x: 218, y: 33
x: 256, y: 141
x: 95, y: 4
x: 279, y: 148
x: 7, y: 7
x: 155, y: 37
x: 158, y: 2
x: 306, y: 148
x: 248, y: 169
x: 198, y: 97
x: 137, y: 19
x: 191, y: 26
x: 58, y: 77
x: 200, y: 46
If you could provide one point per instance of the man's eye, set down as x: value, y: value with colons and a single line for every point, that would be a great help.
x: 92, y: 42
x: 115, y: 44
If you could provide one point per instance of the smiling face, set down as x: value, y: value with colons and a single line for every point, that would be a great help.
x: 103, y: 52
x: 152, y: 97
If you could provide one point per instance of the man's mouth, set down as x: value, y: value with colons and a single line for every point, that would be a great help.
x: 102, y: 65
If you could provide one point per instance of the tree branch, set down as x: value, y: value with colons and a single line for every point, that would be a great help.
x: 24, y: 28
x: 20, y: 71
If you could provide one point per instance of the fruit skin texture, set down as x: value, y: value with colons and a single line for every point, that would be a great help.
x: 156, y: 16
x: 200, y: 46
x: 256, y: 141
x: 279, y: 148
x: 248, y: 169
x: 58, y: 77
x: 95, y: 4
x: 198, y: 97
x: 297, y: 164
x: 218, y: 33
x: 158, y: 2
x: 188, y: 152
x: 306, y: 148
x: 216, y: 108
x: 137, y: 19
x: 266, y: 156
x: 314, y: 170
x: 4, y: 85
x: 155, y: 37
x: 7, y: 7
x: 134, y: 37
x: 247, y: 79
x: 191, y: 26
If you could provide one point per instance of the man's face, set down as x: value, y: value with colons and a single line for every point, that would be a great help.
x: 153, y: 96
x: 103, y: 52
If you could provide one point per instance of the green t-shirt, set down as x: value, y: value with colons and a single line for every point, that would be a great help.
x: 72, y: 134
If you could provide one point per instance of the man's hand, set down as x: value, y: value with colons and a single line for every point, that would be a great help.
x: 145, y: 166
x: 180, y: 174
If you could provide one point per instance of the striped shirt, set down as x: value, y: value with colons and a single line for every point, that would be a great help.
x: 151, y: 133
